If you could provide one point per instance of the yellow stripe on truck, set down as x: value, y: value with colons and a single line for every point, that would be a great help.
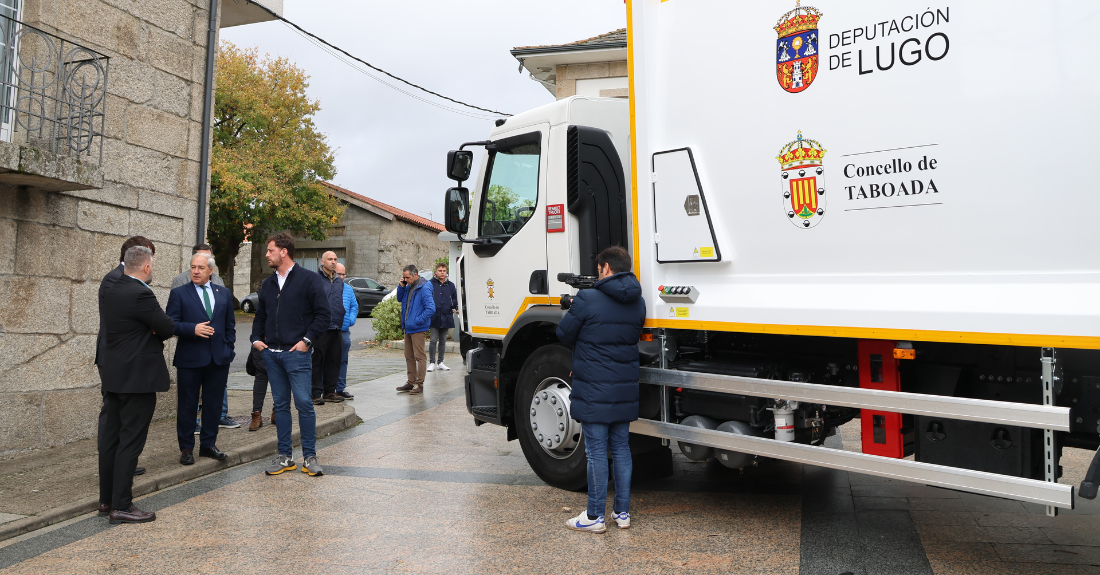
x: 1014, y: 339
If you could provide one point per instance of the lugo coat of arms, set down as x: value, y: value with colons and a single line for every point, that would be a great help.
x: 796, y: 51
x: 802, y: 177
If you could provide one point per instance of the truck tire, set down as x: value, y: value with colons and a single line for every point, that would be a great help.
x: 562, y: 470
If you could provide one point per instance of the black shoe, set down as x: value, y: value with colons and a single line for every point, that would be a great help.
x: 345, y: 395
x: 139, y: 471
x: 187, y: 457
x: 213, y: 453
x: 333, y: 397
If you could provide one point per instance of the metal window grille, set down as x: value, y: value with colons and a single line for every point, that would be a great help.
x: 53, y: 91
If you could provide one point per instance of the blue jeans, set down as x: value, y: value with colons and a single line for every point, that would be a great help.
x: 597, y: 436
x: 291, y: 373
x: 345, y: 347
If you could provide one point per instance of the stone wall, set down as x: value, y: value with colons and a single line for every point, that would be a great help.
x: 568, y: 74
x: 375, y: 247
x: 401, y: 244
x: 55, y: 247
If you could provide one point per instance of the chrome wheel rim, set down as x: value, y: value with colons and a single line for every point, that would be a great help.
x: 551, y: 420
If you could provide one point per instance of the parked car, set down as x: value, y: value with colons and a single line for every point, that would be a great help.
x: 367, y: 292
x: 250, y: 302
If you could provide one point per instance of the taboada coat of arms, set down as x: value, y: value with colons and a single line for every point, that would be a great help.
x: 796, y: 51
x: 802, y: 177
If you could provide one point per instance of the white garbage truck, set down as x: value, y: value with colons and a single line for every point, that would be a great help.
x: 857, y: 210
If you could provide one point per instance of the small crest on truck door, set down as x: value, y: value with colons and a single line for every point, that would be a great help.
x: 796, y: 50
x: 802, y: 181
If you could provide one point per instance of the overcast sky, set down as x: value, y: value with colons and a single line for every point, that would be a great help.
x: 389, y: 146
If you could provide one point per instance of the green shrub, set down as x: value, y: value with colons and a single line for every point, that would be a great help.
x: 386, y: 318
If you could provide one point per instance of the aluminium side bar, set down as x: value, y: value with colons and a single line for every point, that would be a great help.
x: 980, y: 482
x: 1007, y: 413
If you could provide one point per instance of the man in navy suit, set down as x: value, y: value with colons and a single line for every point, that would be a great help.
x: 207, y: 331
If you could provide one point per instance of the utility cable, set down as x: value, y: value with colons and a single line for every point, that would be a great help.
x: 317, y: 38
x: 353, y: 66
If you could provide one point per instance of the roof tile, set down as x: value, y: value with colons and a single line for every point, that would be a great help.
x: 613, y: 36
x: 397, y: 213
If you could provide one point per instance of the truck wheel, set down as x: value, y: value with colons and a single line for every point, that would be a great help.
x: 551, y: 440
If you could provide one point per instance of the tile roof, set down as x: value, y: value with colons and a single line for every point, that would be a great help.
x: 397, y: 213
x: 613, y: 37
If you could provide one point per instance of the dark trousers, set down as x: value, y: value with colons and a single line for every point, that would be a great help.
x: 209, y: 382
x: 259, y: 385
x: 122, y: 432
x: 326, y: 362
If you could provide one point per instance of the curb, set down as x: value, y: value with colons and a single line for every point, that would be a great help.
x: 146, y: 484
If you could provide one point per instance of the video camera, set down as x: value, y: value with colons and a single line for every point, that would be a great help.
x: 575, y: 281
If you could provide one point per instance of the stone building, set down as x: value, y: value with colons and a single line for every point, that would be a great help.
x: 373, y: 239
x: 101, y: 128
x: 593, y: 67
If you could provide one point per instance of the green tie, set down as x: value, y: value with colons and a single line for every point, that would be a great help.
x: 206, y: 300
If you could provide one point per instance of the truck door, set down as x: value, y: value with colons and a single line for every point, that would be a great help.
x: 514, y: 238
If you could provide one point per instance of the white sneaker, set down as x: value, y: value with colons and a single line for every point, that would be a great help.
x: 442, y: 367
x: 621, y: 519
x: 431, y: 367
x: 583, y: 523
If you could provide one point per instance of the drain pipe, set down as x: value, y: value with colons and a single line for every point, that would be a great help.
x: 207, y: 113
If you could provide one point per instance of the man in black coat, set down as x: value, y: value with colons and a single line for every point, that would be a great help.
x: 604, y: 324
x: 292, y: 313
x: 326, y: 349
x: 105, y: 284
x: 133, y: 370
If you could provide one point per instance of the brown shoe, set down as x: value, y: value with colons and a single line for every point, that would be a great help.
x: 257, y: 421
x: 333, y: 397
x: 131, y: 515
x: 272, y: 416
x: 416, y: 390
x: 318, y: 401
x: 104, y: 509
x: 406, y: 387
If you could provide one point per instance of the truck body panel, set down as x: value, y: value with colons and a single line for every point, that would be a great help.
x: 977, y: 239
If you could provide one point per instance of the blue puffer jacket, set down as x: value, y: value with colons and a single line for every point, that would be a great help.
x: 352, y: 306
x: 418, y: 307
x: 604, y: 324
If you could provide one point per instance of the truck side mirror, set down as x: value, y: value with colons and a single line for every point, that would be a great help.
x: 459, y: 163
x: 456, y: 210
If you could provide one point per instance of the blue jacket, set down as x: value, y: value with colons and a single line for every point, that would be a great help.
x: 187, y: 309
x: 300, y: 309
x: 445, y: 297
x: 604, y: 324
x: 334, y: 293
x: 352, y: 305
x: 418, y: 308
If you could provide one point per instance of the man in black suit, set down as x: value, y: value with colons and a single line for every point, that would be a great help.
x: 133, y: 370
x: 203, y: 312
x: 105, y: 284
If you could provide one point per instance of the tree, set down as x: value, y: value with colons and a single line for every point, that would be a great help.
x: 501, y: 203
x: 268, y: 159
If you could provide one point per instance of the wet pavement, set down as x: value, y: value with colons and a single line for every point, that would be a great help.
x: 417, y: 488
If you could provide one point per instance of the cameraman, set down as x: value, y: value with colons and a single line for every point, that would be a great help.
x: 604, y: 324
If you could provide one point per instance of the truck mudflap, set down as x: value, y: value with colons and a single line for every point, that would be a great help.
x: 1047, y: 417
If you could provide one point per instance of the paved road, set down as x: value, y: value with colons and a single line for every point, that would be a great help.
x: 417, y: 488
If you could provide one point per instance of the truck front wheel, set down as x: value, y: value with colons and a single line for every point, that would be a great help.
x: 551, y: 440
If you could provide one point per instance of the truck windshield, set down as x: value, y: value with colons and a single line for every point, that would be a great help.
x: 512, y: 191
